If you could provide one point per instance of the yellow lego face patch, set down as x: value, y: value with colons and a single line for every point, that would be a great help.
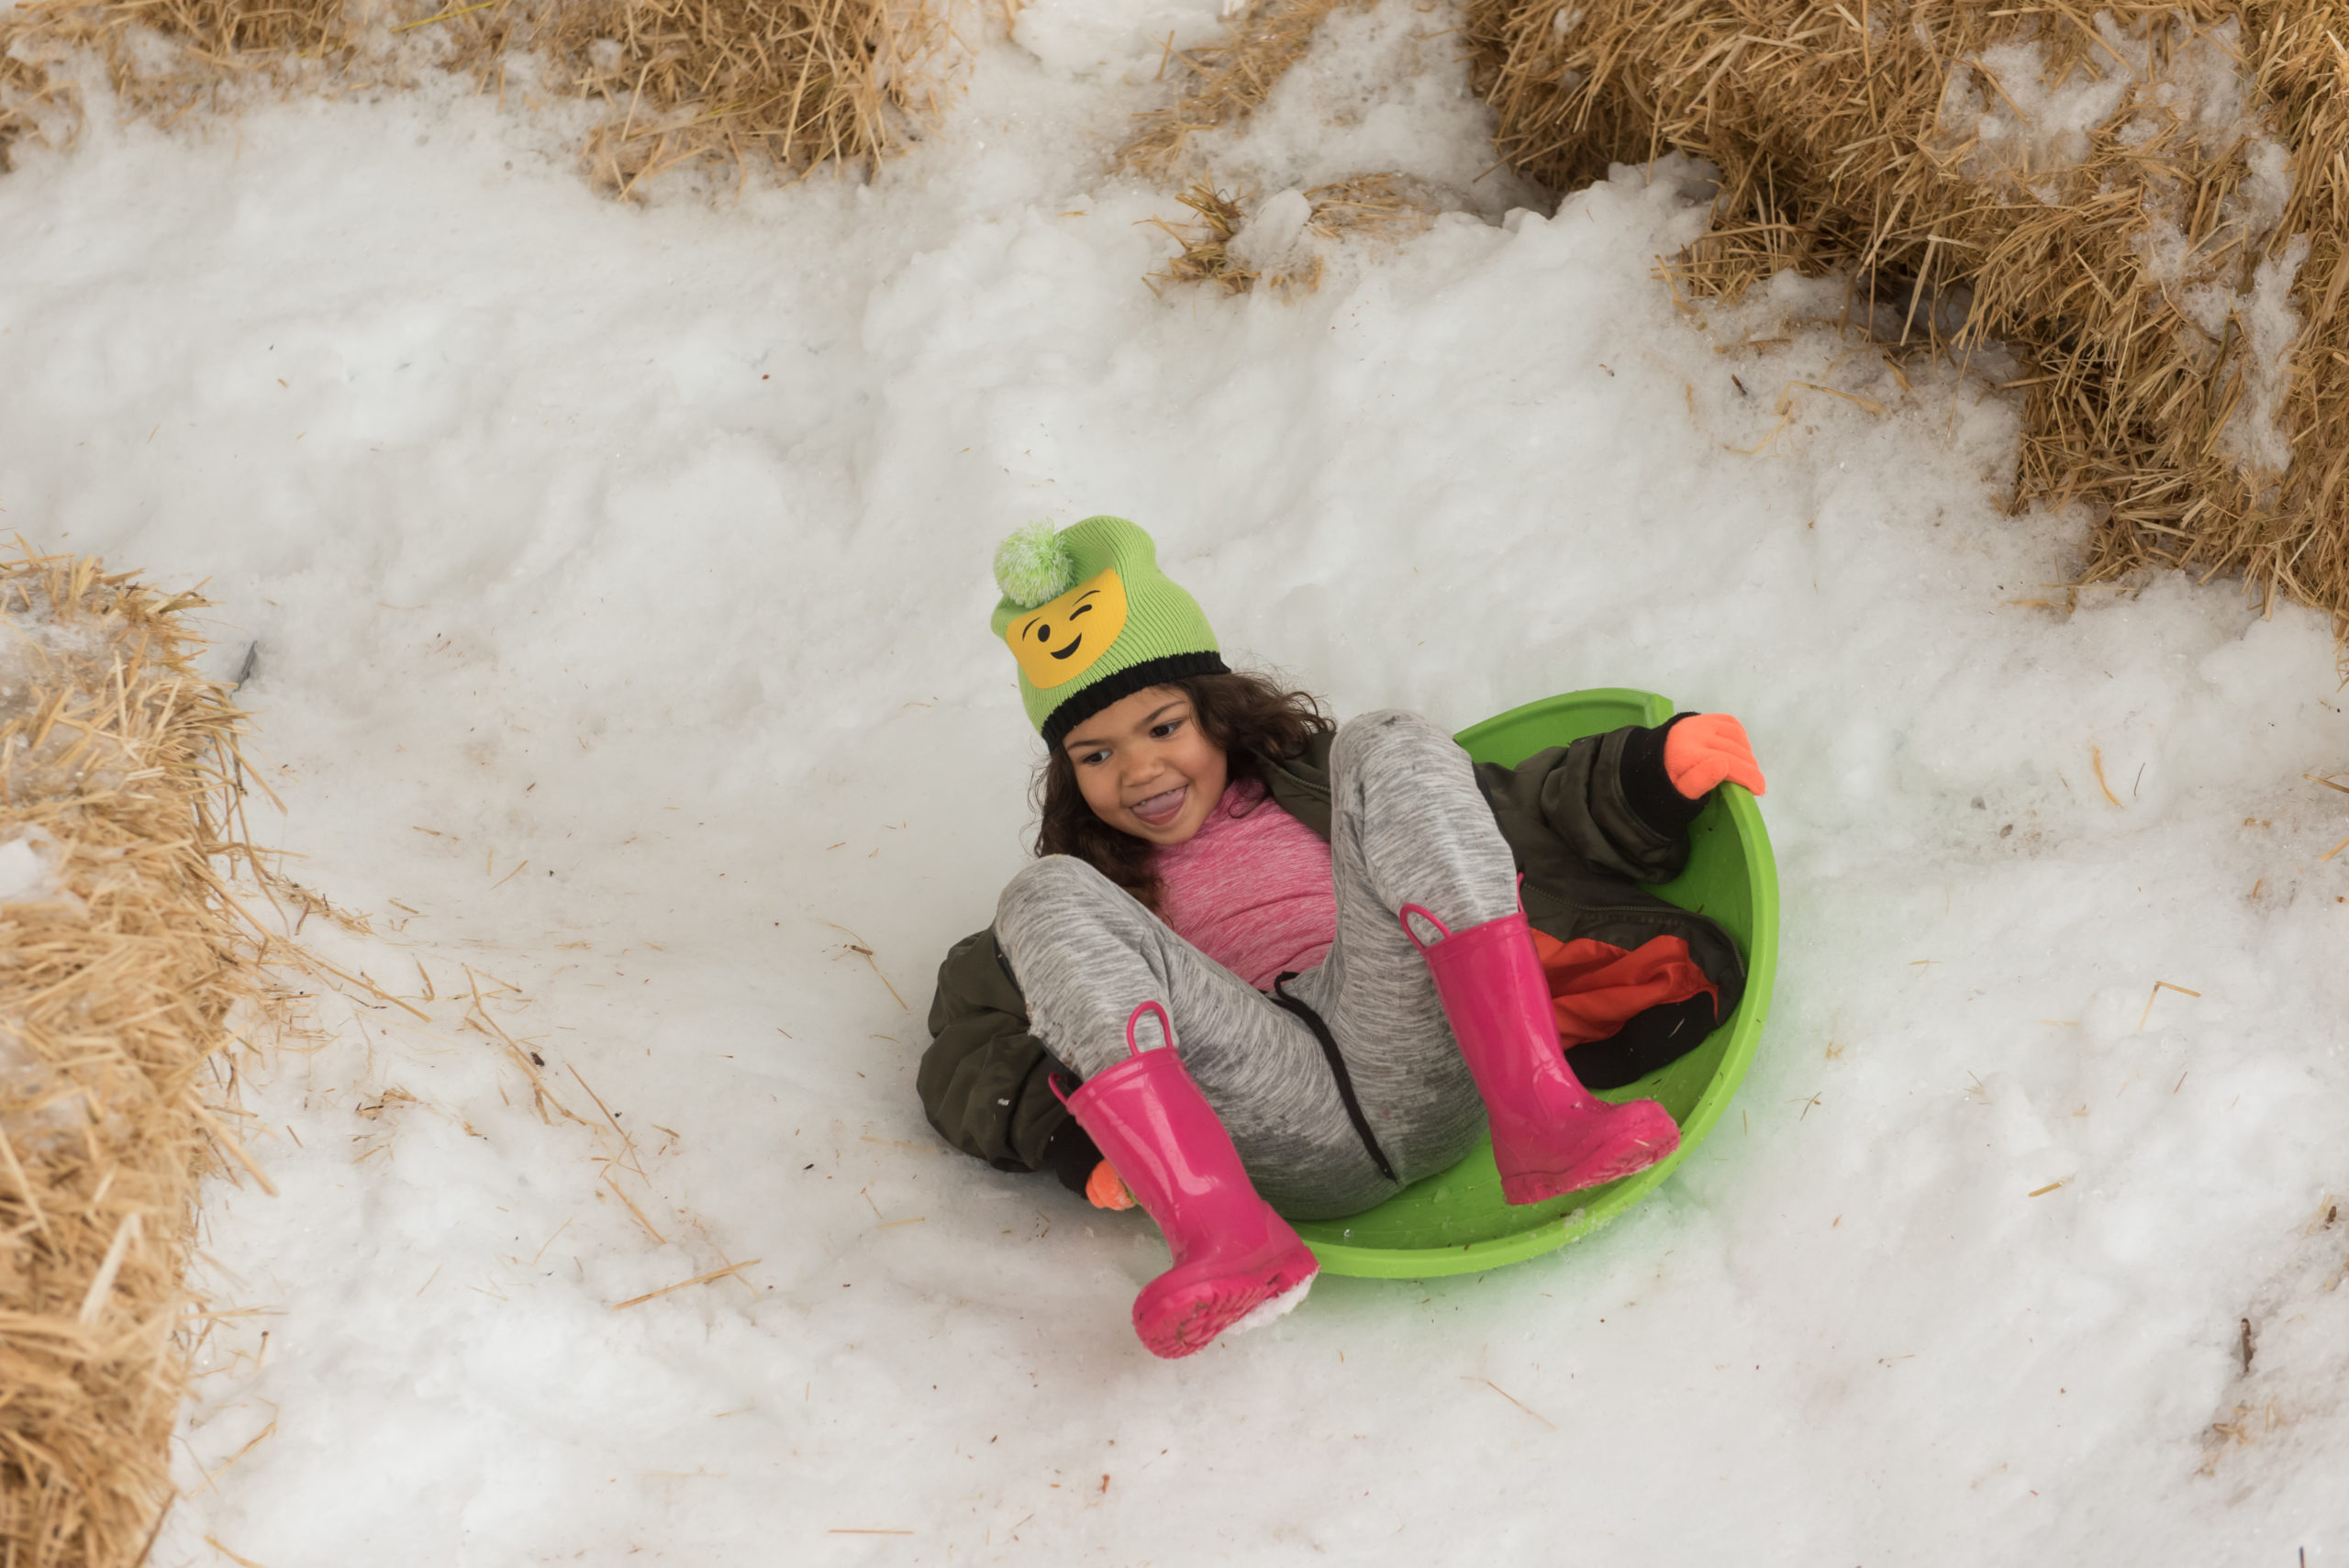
x: 1057, y: 642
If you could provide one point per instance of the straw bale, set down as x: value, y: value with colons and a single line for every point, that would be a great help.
x: 2144, y: 203
x: 790, y: 84
x: 119, y: 969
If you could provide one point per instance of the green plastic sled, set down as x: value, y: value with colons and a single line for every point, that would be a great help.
x: 1456, y: 1223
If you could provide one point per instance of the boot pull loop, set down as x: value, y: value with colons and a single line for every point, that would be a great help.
x: 1405, y: 913
x: 1165, y: 1027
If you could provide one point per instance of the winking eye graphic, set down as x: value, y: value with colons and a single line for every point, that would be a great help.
x: 1058, y: 641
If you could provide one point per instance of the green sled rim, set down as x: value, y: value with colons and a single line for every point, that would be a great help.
x: 1456, y: 1223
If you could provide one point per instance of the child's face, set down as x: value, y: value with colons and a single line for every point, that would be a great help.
x: 1146, y: 768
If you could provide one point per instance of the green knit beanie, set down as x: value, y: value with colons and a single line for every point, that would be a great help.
x: 1091, y: 620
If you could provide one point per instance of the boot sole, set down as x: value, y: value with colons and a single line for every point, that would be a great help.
x: 1535, y: 1186
x: 1187, y: 1323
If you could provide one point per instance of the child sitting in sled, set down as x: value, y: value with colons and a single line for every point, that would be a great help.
x: 1264, y: 965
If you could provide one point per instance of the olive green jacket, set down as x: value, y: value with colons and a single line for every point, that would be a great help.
x: 1588, y: 824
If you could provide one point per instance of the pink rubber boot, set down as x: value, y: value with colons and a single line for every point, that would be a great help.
x: 1550, y: 1134
x: 1236, y: 1261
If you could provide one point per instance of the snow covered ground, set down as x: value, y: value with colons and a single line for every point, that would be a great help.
x: 619, y: 582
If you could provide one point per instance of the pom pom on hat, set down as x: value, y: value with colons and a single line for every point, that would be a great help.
x: 1033, y: 565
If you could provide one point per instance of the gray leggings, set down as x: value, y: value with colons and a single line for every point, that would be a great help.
x: 1407, y: 826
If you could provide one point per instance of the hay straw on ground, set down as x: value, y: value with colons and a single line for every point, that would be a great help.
x: 1228, y: 79
x: 118, y: 966
x: 162, y: 58
x: 790, y: 84
x: 2141, y: 267
x: 1226, y: 82
x: 25, y: 88
x: 1206, y: 254
x: 1386, y: 203
x: 795, y: 82
x: 1381, y: 203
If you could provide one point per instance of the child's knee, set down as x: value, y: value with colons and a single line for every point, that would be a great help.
x: 1049, y: 888
x: 1387, y: 731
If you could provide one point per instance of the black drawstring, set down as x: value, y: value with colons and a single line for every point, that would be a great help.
x: 1281, y: 998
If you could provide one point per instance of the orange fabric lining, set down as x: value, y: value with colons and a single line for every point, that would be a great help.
x: 1596, y: 987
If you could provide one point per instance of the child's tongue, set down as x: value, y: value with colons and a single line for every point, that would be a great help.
x: 1161, y: 809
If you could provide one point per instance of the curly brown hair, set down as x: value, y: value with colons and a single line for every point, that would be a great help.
x: 1254, y: 720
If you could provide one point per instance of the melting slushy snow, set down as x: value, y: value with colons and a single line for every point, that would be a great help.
x: 619, y: 582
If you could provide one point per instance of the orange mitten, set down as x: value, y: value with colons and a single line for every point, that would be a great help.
x: 1105, y: 1189
x: 1706, y: 750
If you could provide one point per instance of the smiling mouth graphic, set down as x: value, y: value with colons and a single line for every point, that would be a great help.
x: 1072, y: 648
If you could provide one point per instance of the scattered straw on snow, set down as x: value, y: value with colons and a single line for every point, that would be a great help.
x: 1227, y: 80
x: 1278, y: 243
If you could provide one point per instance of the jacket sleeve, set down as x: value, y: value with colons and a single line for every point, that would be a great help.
x: 984, y: 1081
x: 1607, y: 796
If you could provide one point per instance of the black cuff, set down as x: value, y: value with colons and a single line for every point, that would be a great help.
x: 1647, y: 788
x: 1071, y: 1155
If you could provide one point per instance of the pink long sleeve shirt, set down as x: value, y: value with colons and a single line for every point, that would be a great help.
x: 1250, y: 889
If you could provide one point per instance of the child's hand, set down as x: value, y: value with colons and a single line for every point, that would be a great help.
x: 1703, y: 751
x: 1105, y: 1189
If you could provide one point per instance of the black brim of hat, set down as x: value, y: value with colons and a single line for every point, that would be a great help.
x: 1083, y: 705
